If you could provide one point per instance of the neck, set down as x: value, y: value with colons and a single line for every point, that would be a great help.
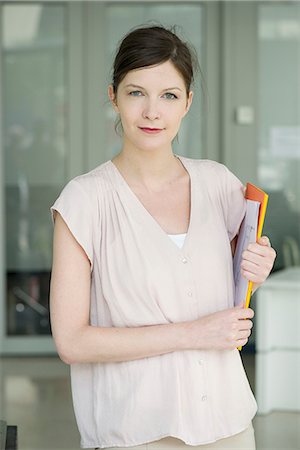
x: 151, y: 170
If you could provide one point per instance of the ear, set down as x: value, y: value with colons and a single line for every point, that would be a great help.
x: 112, y: 97
x: 188, y: 102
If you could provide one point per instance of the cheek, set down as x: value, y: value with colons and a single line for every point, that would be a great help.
x: 177, y: 118
x: 174, y: 113
x: 130, y: 114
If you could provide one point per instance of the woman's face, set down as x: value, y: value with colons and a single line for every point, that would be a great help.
x: 152, y: 98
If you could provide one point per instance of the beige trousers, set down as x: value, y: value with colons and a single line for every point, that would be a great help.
x: 241, y: 441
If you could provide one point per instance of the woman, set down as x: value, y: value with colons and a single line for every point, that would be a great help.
x: 142, y: 285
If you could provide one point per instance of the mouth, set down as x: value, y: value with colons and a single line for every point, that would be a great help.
x: 150, y: 130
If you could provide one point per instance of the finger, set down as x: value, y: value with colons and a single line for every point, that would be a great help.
x: 264, y: 240
x: 244, y: 334
x: 256, y: 249
x: 251, y: 266
x: 257, y: 264
x: 242, y: 342
x: 254, y: 272
x: 258, y: 277
x: 254, y: 258
x: 245, y: 324
x: 246, y: 313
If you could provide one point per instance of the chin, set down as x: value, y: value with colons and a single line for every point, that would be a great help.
x: 150, y: 143
x: 152, y: 147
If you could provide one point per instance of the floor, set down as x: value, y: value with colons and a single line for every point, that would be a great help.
x: 35, y: 395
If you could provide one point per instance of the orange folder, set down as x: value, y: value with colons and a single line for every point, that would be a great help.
x: 256, y: 194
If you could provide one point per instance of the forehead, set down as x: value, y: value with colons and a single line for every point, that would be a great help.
x: 159, y: 75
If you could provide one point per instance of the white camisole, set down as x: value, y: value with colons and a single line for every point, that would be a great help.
x: 178, y: 238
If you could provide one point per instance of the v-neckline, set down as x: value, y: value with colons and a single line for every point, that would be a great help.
x: 152, y: 220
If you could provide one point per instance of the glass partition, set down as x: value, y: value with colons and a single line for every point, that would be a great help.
x: 279, y: 133
x: 34, y: 142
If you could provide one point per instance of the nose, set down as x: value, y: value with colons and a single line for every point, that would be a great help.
x: 151, y: 110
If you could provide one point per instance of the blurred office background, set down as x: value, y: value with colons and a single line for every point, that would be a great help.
x: 56, y: 122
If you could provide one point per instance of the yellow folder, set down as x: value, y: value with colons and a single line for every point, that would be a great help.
x: 256, y: 194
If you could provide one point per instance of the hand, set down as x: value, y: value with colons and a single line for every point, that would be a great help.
x: 222, y: 330
x: 258, y: 260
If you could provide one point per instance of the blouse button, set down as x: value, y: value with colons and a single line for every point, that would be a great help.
x: 200, y: 362
x: 190, y: 294
x: 204, y: 397
x: 184, y: 260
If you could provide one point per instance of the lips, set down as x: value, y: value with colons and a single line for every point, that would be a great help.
x: 150, y: 130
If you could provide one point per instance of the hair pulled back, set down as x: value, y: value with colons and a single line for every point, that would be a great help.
x: 151, y: 45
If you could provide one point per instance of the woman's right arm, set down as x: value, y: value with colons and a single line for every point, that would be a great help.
x: 78, y: 342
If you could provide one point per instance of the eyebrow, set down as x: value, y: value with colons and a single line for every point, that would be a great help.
x: 141, y: 87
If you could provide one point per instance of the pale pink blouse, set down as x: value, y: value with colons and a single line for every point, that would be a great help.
x: 141, y: 277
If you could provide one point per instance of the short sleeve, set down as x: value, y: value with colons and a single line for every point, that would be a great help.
x: 74, y: 206
x: 234, y: 202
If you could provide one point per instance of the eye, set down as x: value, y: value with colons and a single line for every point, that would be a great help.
x: 135, y: 93
x: 170, y: 96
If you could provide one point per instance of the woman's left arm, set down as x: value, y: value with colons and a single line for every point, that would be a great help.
x: 257, y: 261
